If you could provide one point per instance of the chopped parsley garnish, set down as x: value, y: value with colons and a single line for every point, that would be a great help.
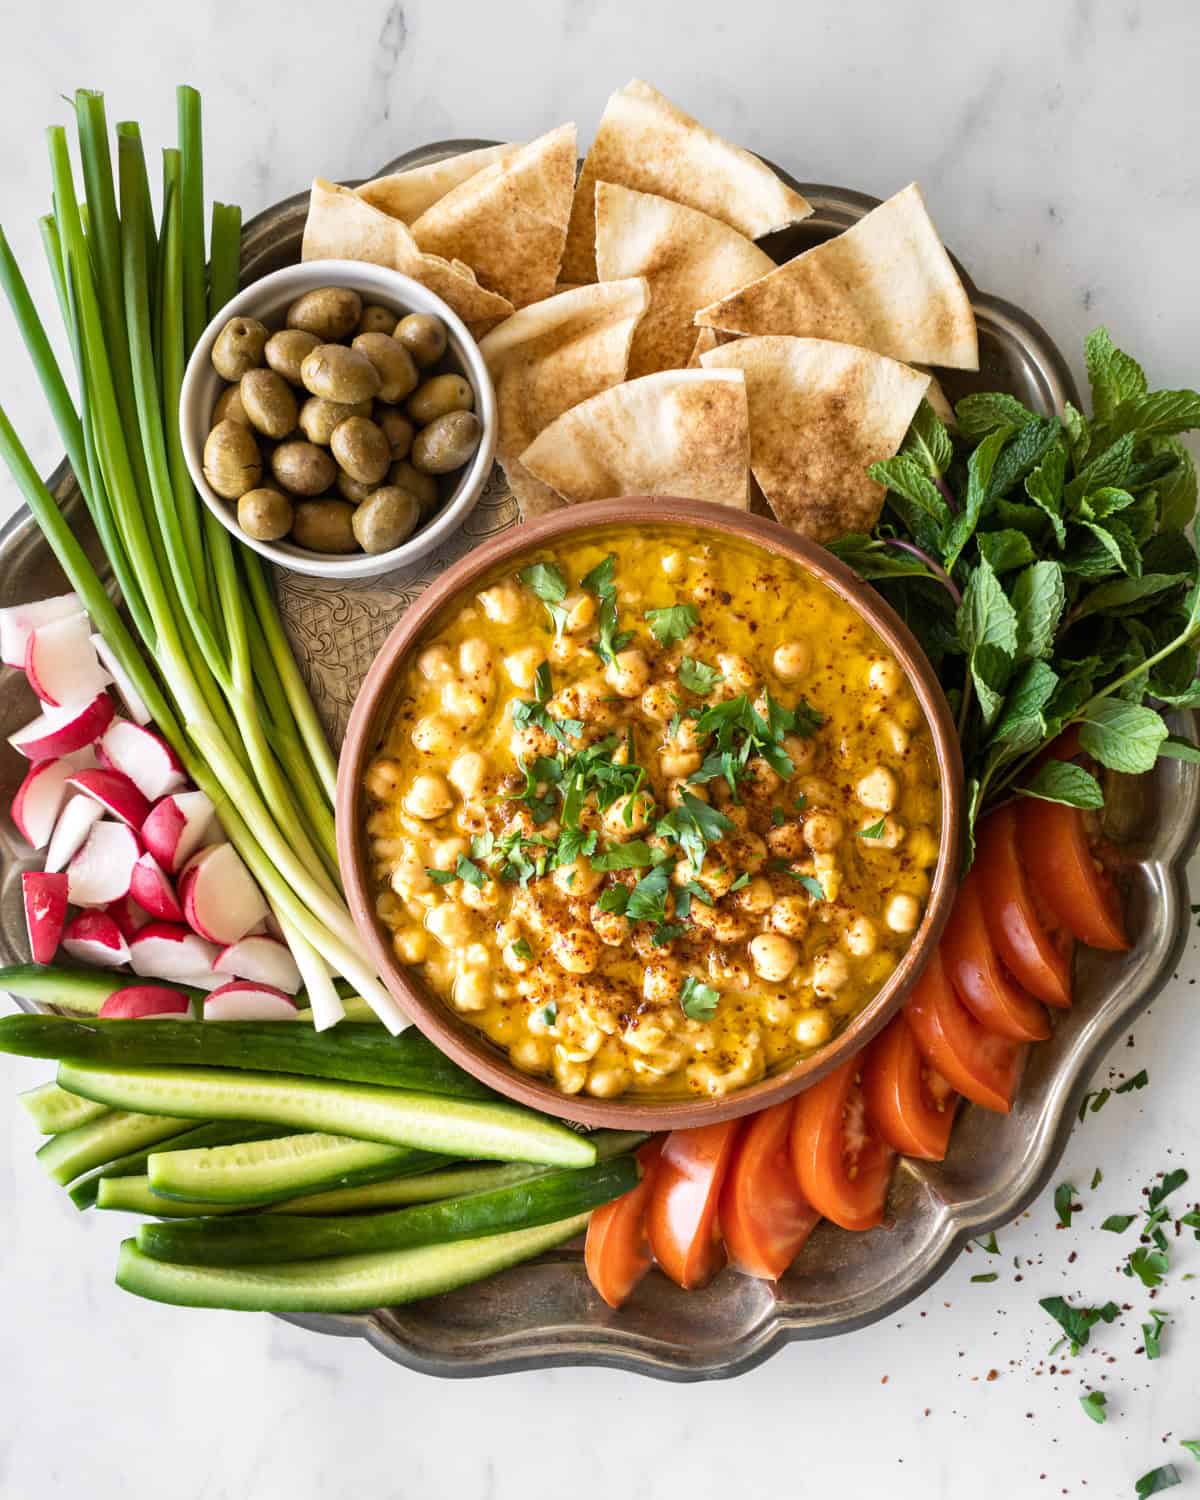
x: 1163, y: 1189
x: 1118, y: 1223
x: 600, y: 582
x: 875, y: 831
x: 987, y: 1276
x: 1093, y: 1405
x: 1152, y: 1333
x: 1138, y: 1081
x: 1149, y: 1266
x: 522, y: 949
x: 988, y: 1244
x: 648, y: 899
x: 527, y: 711
x: 778, y: 817
x: 464, y: 869
x: 672, y: 624
x: 614, y: 899
x: 698, y: 677
x: 694, y: 825
x: 742, y: 880
x: 1094, y: 1100
x: 1192, y: 1445
x: 635, y: 855
x: 549, y: 1013
x: 1165, y: 1477
x: 546, y: 581
x: 699, y: 1000
x: 441, y: 877
x: 811, y: 884
x: 741, y: 734
x: 1077, y: 1322
x: 666, y: 932
x: 1064, y: 1195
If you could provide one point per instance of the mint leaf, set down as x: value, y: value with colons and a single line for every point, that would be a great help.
x: 1028, y: 447
x: 1177, y: 749
x: 1060, y: 781
x: 1045, y: 488
x: 1177, y: 491
x: 1022, y: 725
x: 1118, y: 1223
x: 1122, y: 736
x: 1108, y: 467
x: 979, y: 415
x: 904, y: 475
x: 1005, y: 550
x: 1105, y: 501
x: 1115, y: 377
x: 699, y: 1000
x: 698, y: 677
x: 1161, y: 414
x: 1093, y: 1405
x: 672, y: 624
x: 979, y: 474
x: 986, y: 617
x: 1106, y: 597
x: 928, y: 441
x: 1165, y: 1477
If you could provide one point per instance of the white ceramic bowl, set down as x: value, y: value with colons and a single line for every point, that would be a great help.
x: 268, y: 300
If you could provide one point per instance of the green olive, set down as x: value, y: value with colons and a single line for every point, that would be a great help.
x: 269, y: 402
x: 396, y: 428
x: 383, y: 521
x: 324, y: 526
x: 340, y: 374
x: 229, y: 408
x: 376, y: 319
x: 232, y: 462
x: 423, y: 336
x: 447, y: 442
x: 397, y: 374
x: 438, y: 396
x: 352, y: 489
x: 287, y: 350
x: 361, y: 449
x: 331, y: 312
x: 265, y: 514
x: 423, y: 487
x: 319, y: 418
x: 303, y: 468
x: 239, y: 347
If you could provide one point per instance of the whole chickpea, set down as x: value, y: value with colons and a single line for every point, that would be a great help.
x: 628, y: 673
x: 428, y: 796
x: 774, y: 957
x: 823, y: 831
x: 792, y: 659
x: 576, y: 950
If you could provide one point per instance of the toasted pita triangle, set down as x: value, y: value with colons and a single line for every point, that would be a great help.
x: 407, y: 195
x: 509, y: 221
x: 679, y: 432
x: 684, y: 255
x: 820, y: 414
x: 886, y: 283
x: 706, y: 339
x: 343, y: 226
x: 645, y: 142
x: 549, y: 357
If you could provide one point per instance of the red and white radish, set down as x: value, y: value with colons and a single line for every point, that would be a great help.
x: 127, y: 914
x: 45, y: 899
x: 265, y: 960
x: 115, y: 793
x: 140, y: 754
x: 59, y: 731
x: 103, y: 868
x: 75, y: 822
x: 242, y: 1000
x: 151, y: 889
x: 19, y: 621
x: 176, y: 826
x: 220, y: 899
x: 135, y: 705
x: 164, y: 950
x: 61, y: 662
x: 144, y: 1002
x: 94, y: 937
x: 39, y: 799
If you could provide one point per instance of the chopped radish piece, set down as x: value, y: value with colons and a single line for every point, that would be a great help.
x: 176, y: 826
x: 163, y: 950
x: 102, y: 869
x: 150, y: 887
x: 19, y: 621
x: 144, y: 1002
x: 263, y: 959
x: 135, y: 705
x: 61, y: 662
x: 115, y: 793
x: 39, y: 799
x: 59, y: 731
x: 220, y: 899
x: 94, y: 937
x: 127, y: 914
x: 240, y: 1000
x: 45, y: 898
x: 74, y: 824
x: 140, y: 754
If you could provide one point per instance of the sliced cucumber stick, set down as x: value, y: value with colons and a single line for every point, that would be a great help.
x: 221, y: 1133
x: 113, y: 1134
x: 396, y: 1192
x: 83, y: 990
x: 428, y: 1122
x: 348, y: 1283
x: 132, y: 1195
x: 53, y: 1110
x: 266, y: 1171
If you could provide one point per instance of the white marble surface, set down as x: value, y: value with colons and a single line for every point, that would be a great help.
x: 1057, y: 146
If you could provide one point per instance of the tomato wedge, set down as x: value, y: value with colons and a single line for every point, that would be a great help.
x: 983, y: 1067
x: 974, y: 970
x: 681, y: 1219
x: 1071, y: 884
x: 843, y: 1167
x: 1028, y: 951
x: 617, y: 1252
x: 908, y: 1102
x: 765, y: 1219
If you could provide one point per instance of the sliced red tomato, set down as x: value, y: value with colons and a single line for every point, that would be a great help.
x: 617, y: 1251
x: 842, y: 1165
x: 982, y: 1066
x: 1066, y: 876
x: 765, y: 1219
x: 681, y: 1219
x: 909, y: 1103
x: 974, y: 969
x: 1027, y: 949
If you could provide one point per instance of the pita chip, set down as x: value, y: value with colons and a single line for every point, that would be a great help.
x: 343, y: 226
x: 678, y: 432
x: 644, y: 142
x: 886, y: 283
x: 407, y: 195
x: 820, y: 414
x: 509, y: 221
x: 549, y: 357
x: 706, y: 339
x: 683, y: 254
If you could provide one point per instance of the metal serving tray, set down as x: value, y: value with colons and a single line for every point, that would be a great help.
x: 545, y: 1313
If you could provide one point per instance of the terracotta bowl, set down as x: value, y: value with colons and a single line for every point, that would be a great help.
x: 368, y: 726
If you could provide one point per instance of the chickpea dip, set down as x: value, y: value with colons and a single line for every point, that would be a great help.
x: 657, y: 814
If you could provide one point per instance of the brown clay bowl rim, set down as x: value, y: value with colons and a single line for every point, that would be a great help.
x: 469, y: 1048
